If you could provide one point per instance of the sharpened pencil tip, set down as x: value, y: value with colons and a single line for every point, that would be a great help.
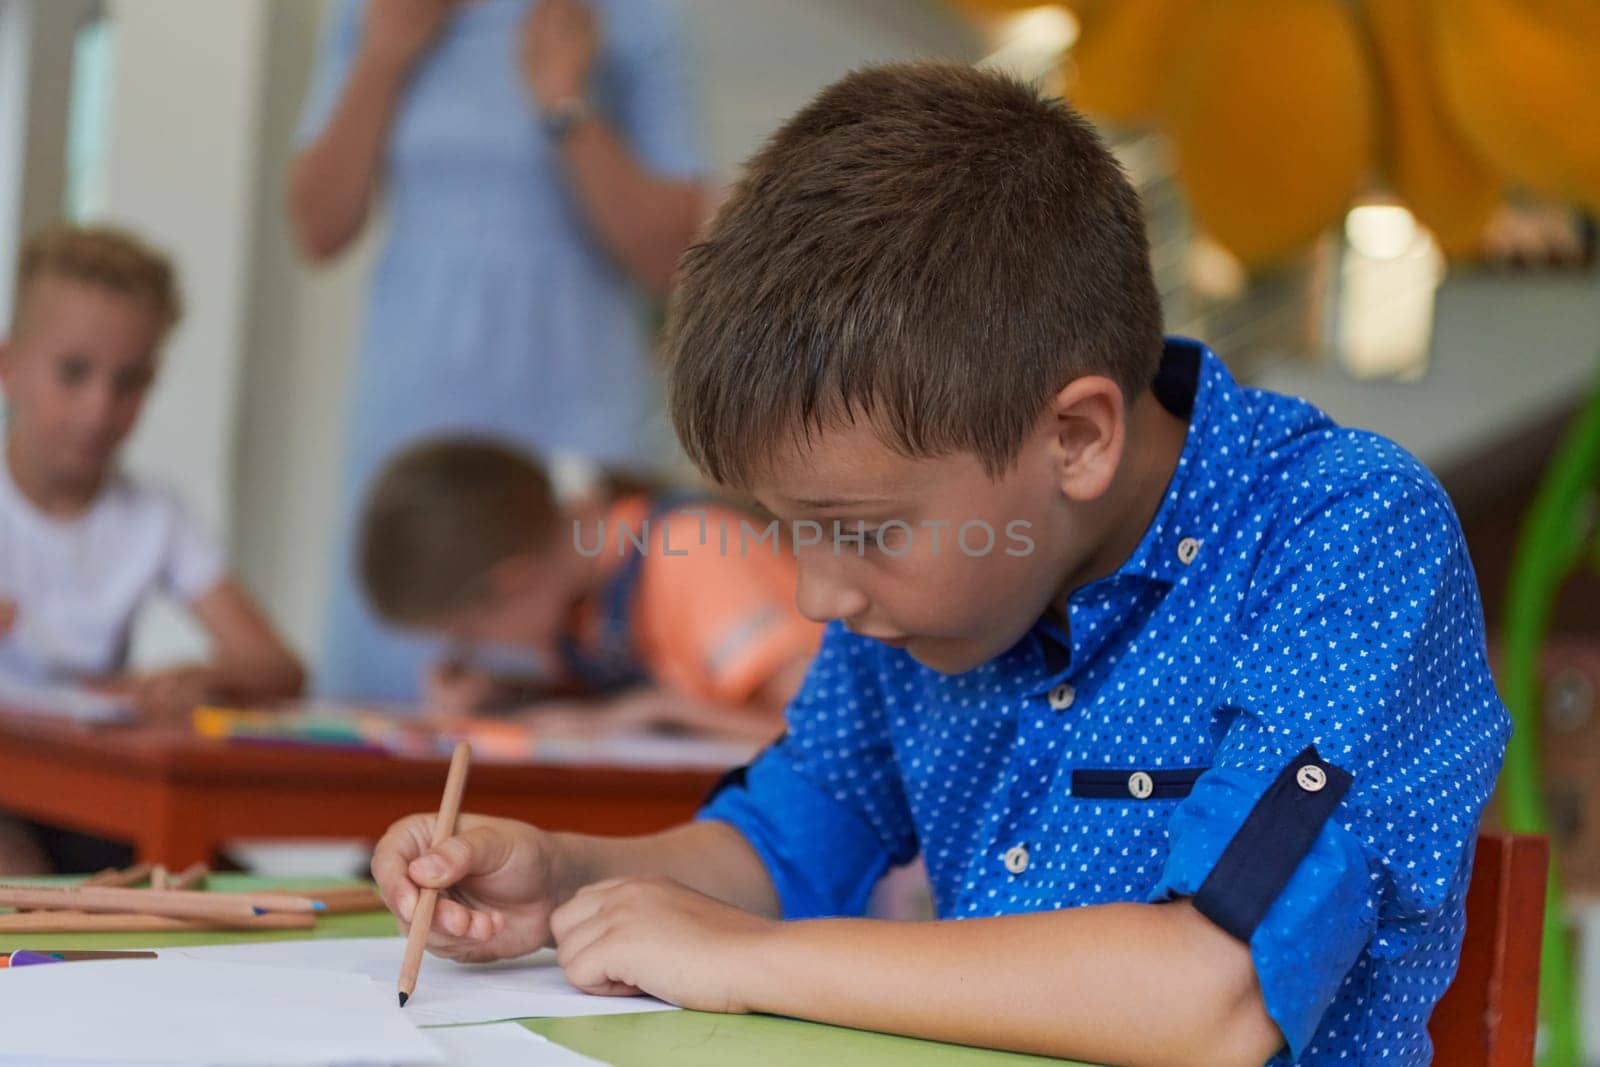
x: 403, y: 999
x: 259, y: 911
x: 317, y: 905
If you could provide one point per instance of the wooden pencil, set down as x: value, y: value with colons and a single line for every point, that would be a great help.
x: 444, y: 826
x: 261, y: 901
x: 73, y: 922
x: 191, y: 877
x: 184, y: 903
x: 339, y: 900
x: 112, y: 877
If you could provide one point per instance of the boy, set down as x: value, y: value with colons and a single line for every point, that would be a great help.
x: 1198, y: 767
x: 83, y: 546
x: 628, y: 601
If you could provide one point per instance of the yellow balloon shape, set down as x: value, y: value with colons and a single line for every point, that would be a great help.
x: 1272, y: 119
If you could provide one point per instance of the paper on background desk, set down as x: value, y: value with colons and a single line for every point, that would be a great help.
x: 447, y: 992
x: 653, y: 751
x: 178, y: 1011
x: 70, y: 702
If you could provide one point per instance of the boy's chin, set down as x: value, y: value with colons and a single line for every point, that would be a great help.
x: 945, y: 656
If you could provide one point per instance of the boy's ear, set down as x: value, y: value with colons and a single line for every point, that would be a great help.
x: 514, y: 575
x: 1089, y: 420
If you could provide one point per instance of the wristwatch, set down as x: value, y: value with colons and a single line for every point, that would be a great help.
x: 565, y: 115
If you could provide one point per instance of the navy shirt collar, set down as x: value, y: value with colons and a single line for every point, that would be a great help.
x: 1217, y: 441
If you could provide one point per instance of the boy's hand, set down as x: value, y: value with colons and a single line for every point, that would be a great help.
x: 627, y: 936
x: 499, y: 881
x: 8, y: 616
x: 452, y: 688
x: 166, y: 697
x: 593, y: 718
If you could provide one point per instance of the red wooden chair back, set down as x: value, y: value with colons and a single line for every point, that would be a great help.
x: 1488, y: 1016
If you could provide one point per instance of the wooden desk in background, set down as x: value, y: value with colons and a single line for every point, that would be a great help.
x: 177, y: 797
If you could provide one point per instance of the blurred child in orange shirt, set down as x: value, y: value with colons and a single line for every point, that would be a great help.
x: 652, y: 610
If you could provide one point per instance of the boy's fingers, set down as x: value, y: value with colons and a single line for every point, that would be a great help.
x: 478, y: 851
x: 579, y: 909
x: 450, y: 917
x: 394, y: 853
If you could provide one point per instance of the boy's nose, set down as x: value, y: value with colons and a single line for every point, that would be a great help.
x: 822, y: 598
x: 97, y: 404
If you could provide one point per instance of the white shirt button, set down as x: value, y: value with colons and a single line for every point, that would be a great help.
x: 1016, y: 859
x: 1311, y: 778
x: 1140, y: 785
x: 1062, y: 696
x: 1188, y: 549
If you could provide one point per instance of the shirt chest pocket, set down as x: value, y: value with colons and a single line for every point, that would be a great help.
x: 1127, y: 783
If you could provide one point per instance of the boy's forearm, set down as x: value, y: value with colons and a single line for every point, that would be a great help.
x: 710, y: 857
x: 268, y: 680
x: 1120, y: 983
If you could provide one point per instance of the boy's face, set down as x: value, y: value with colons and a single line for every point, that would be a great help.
x: 76, y: 375
x: 528, y: 605
x: 967, y: 563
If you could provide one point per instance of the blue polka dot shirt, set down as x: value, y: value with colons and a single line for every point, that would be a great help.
x: 1279, y: 706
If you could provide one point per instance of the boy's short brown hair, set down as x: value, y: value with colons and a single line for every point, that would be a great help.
x: 938, y: 248
x: 441, y: 516
x: 104, y: 256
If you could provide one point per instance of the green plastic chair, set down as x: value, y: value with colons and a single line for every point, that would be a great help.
x: 1553, y: 543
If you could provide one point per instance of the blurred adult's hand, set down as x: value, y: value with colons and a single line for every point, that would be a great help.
x: 559, y: 42
x: 399, y: 32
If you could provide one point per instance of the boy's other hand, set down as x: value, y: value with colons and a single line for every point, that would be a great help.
x: 497, y: 877
x: 8, y: 616
x: 626, y: 936
x: 164, y: 697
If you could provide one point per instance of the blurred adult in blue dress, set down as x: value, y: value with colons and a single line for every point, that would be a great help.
x: 538, y: 165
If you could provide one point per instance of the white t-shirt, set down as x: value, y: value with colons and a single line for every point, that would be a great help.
x: 77, y: 583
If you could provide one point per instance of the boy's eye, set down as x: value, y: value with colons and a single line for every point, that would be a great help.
x: 888, y: 537
x: 852, y: 539
x: 133, y: 381
x: 73, y: 370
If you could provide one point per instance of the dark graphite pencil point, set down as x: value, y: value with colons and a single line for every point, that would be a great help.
x: 403, y: 999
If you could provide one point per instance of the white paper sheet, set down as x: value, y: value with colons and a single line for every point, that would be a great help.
x: 504, y: 1045
x: 447, y: 992
x: 181, y: 1011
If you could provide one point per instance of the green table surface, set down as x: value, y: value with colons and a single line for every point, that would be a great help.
x: 653, y: 1039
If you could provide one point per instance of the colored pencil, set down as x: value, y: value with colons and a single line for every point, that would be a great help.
x: 75, y: 922
x: 113, y: 877
x: 191, y: 877
x: 339, y: 900
x: 77, y: 954
x: 184, y: 903
x: 443, y: 827
x: 29, y: 957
